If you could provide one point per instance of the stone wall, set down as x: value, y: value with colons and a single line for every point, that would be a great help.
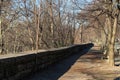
x: 15, y: 68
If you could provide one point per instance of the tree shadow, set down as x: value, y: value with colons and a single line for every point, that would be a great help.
x: 118, y: 78
x: 55, y: 71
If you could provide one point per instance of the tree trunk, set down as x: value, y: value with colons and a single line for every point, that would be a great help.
x: 37, y: 16
x: 108, y: 37
x: 37, y: 33
x: 1, y: 31
x: 0, y: 18
x: 112, y: 42
x: 51, y: 22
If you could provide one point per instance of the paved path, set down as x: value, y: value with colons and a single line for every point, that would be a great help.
x: 82, y: 66
x: 59, y: 70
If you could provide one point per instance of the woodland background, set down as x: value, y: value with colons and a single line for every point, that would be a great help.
x: 43, y: 24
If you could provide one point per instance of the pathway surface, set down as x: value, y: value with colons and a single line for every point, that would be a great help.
x: 77, y: 67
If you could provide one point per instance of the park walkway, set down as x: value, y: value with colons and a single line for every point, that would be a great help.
x: 86, y: 67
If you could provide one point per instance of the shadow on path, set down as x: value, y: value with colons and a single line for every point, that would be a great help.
x: 55, y: 71
x: 118, y: 78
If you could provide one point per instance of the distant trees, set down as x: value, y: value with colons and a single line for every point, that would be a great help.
x: 4, y: 22
x: 36, y: 24
x: 41, y: 24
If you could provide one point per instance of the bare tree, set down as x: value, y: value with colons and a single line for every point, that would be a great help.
x: 110, y: 13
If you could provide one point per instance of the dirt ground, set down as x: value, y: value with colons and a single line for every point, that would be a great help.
x: 92, y: 67
x: 89, y: 66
